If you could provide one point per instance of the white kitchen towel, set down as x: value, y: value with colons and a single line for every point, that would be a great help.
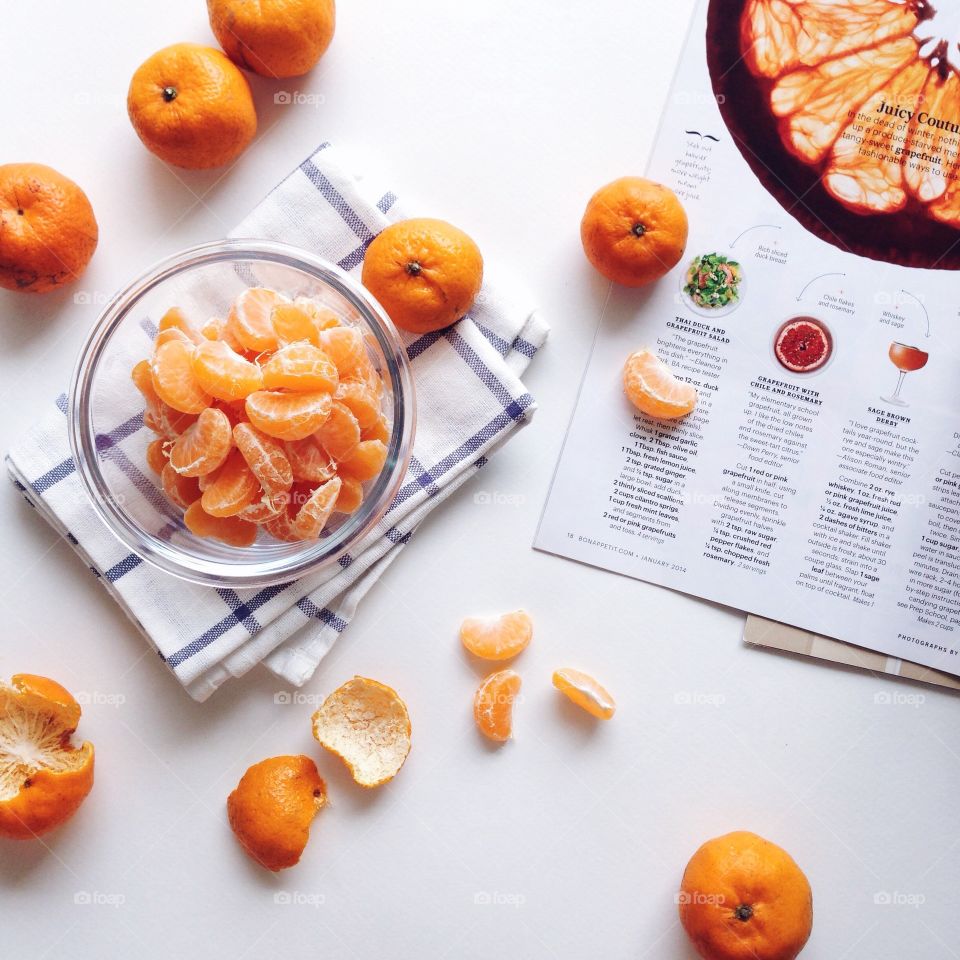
x: 469, y: 401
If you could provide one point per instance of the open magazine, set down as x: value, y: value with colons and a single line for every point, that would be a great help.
x: 817, y: 483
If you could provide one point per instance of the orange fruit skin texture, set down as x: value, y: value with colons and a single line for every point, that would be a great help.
x: 275, y: 38
x: 493, y: 705
x: 211, y: 119
x: 634, y: 231
x: 743, y: 872
x: 47, y: 228
x: 425, y: 273
x: 272, y: 807
x: 47, y: 798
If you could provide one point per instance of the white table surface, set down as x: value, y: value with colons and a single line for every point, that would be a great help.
x: 570, y: 841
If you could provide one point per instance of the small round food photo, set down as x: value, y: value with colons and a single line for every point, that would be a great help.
x: 803, y: 345
x: 713, y: 284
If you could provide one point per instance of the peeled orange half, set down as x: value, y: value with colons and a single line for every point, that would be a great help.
x: 43, y: 777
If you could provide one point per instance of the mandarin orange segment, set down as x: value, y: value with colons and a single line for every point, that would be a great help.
x: 312, y: 517
x: 176, y: 319
x: 367, y: 725
x: 272, y: 807
x: 585, y: 692
x: 379, y: 431
x: 223, y: 373
x: 340, y: 433
x: 249, y: 319
x: 234, y: 488
x: 293, y: 324
x: 361, y: 402
x: 366, y: 461
x: 172, y: 333
x: 157, y: 454
x: 309, y: 461
x: 43, y: 777
x: 266, y: 457
x: 323, y: 318
x: 266, y: 508
x: 493, y: 704
x: 283, y: 525
x: 350, y: 497
x: 497, y: 639
x: 179, y: 489
x: 166, y: 421
x: 288, y: 416
x: 204, y: 446
x: 301, y: 367
x: 142, y: 377
x: 230, y: 530
x: 345, y: 347
x: 653, y: 388
x: 173, y: 379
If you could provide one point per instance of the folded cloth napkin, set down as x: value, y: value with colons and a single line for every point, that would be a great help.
x: 469, y: 401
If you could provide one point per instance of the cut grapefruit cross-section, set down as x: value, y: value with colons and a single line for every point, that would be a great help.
x: 848, y: 112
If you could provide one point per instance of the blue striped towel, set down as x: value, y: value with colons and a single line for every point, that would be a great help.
x: 469, y: 400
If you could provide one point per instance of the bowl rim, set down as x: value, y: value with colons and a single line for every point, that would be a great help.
x: 163, y: 554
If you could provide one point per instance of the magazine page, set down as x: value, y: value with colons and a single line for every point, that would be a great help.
x: 815, y: 310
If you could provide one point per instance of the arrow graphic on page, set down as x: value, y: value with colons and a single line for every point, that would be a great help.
x: 814, y: 280
x: 922, y: 307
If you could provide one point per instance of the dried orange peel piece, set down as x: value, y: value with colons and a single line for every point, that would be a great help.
x: 272, y: 808
x: 585, y: 692
x: 497, y: 639
x: 367, y: 725
x: 43, y: 777
x: 493, y: 705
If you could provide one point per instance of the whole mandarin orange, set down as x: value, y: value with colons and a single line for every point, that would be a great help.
x: 43, y: 777
x: 275, y: 38
x: 426, y: 273
x: 272, y: 808
x: 634, y: 231
x: 192, y: 107
x: 744, y: 898
x: 47, y: 228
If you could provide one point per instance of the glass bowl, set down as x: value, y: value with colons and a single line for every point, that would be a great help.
x: 109, y: 441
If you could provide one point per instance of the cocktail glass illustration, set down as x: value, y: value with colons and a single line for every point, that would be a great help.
x: 906, y: 359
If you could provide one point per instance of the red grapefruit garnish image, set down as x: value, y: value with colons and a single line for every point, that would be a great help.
x: 848, y: 112
x: 803, y: 345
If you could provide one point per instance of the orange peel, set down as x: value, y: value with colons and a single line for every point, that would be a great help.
x: 272, y: 807
x: 43, y: 777
x: 366, y: 724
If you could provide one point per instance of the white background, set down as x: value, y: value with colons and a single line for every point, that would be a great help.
x: 503, y: 118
